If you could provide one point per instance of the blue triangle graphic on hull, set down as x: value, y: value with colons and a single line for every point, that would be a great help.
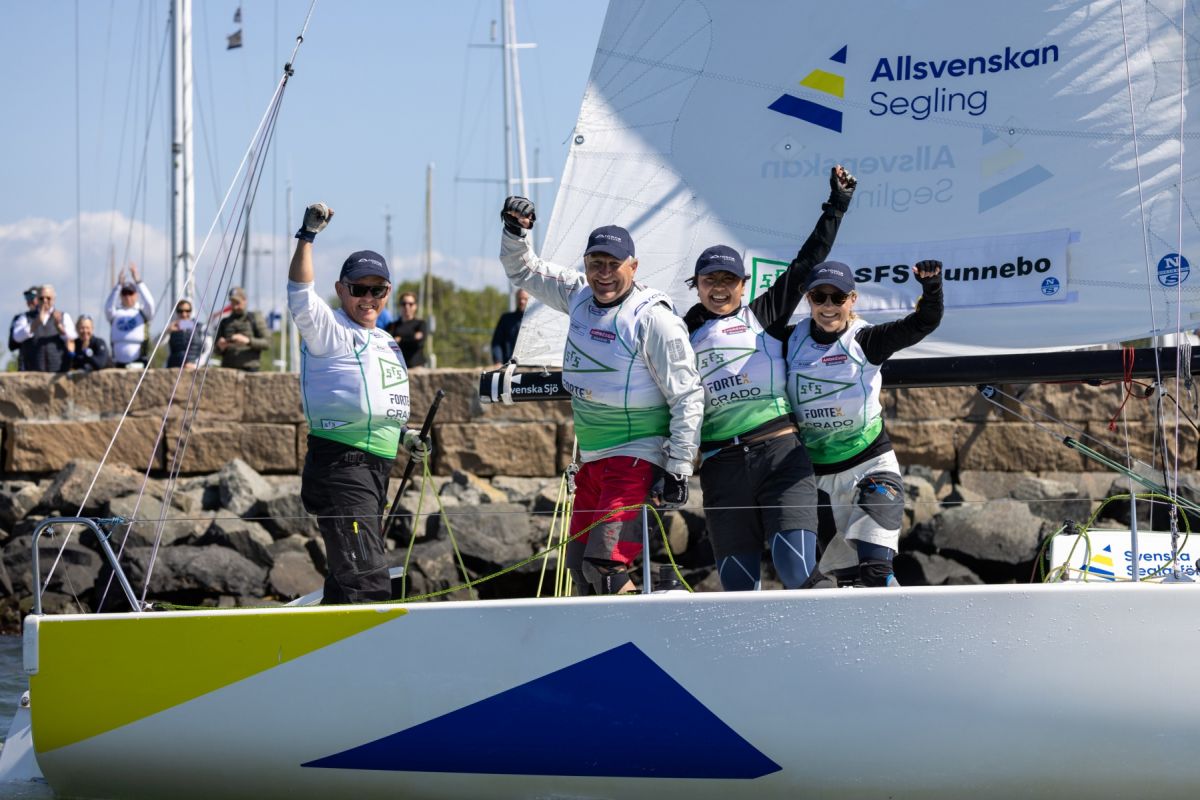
x: 566, y: 723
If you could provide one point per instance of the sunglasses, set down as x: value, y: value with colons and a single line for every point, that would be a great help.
x: 44, y: 297
x: 185, y: 311
x: 361, y: 289
x: 408, y: 303
x: 819, y: 298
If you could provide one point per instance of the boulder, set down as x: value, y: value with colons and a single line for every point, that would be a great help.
x: 1004, y: 531
x: 74, y: 575
x: 1052, y: 500
x: 17, y: 498
x: 244, y: 536
x: 471, y: 490
x: 143, y: 515
x: 70, y: 486
x: 293, y: 575
x: 920, y: 501
x: 241, y: 488
x: 519, y: 490
x: 491, y: 537
x: 284, y: 515
x: 205, y: 570
x: 930, y: 569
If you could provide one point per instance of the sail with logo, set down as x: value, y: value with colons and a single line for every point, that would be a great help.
x: 1038, y: 153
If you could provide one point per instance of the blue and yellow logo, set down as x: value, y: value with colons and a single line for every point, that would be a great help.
x: 820, y: 80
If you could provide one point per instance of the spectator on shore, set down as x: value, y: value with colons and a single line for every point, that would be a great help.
x: 21, y: 348
x: 504, y: 338
x: 130, y: 306
x: 185, y: 337
x: 91, y: 352
x: 409, y: 332
x: 50, y: 334
x: 242, y: 335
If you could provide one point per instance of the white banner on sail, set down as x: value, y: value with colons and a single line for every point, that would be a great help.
x: 987, y: 271
x: 718, y: 121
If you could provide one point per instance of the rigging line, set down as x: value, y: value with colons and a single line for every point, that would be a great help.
x: 1082, y: 433
x: 78, y: 178
x: 1173, y: 483
x: 458, y: 145
x: 142, y: 377
x: 125, y: 126
x: 254, y: 180
x: 212, y: 153
x: 142, y: 169
x: 1137, y: 162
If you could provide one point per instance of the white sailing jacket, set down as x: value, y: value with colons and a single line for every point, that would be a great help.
x: 655, y: 340
x: 834, y: 391
x: 353, y: 380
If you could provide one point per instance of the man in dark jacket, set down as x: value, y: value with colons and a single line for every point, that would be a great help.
x: 241, y: 335
x: 504, y: 338
x: 22, y: 348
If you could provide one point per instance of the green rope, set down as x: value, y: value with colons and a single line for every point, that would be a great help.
x: 1060, y: 572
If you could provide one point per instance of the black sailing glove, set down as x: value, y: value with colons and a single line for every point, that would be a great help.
x: 841, y: 188
x: 516, y: 213
x: 929, y: 274
x: 668, y: 490
x: 316, y: 217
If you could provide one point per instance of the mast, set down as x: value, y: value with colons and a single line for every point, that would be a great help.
x: 183, y: 222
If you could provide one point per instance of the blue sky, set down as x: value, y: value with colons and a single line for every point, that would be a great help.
x: 381, y: 89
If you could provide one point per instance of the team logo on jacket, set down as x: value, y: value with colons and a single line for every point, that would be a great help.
x: 603, y: 336
x: 392, y: 374
x: 734, y: 329
x: 597, y: 311
x: 835, y: 359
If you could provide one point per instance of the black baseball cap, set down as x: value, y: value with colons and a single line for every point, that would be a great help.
x: 832, y: 273
x: 363, y: 263
x: 720, y: 258
x: 611, y: 239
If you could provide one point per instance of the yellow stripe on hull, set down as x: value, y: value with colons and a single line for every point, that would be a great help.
x: 102, y: 672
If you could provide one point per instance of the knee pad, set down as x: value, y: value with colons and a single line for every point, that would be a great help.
x: 881, y: 496
x: 740, y: 572
x: 604, y: 575
x: 794, y: 553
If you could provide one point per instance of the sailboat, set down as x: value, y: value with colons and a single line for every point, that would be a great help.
x: 1038, y: 151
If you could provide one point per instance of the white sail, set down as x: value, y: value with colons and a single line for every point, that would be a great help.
x: 1000, y: 141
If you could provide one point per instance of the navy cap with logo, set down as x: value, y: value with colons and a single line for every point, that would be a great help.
x: 364, y: 263
x: 832, y: 273
x: 612, y: 240
x: 720, y: 258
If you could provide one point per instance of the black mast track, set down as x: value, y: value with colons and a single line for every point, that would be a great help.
x: 1078, y: 366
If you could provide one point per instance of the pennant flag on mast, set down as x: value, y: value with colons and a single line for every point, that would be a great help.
x: 237, y: 15
x: 234, y: 40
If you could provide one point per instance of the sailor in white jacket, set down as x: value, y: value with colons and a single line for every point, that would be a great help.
x: 129, y: 307
x: 636, y: 395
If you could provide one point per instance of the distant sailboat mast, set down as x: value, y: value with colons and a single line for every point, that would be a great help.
x: 183, y: 222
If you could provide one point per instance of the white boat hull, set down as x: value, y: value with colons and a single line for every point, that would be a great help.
x: 995, y: 691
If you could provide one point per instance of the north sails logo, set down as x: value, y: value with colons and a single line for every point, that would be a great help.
x: 829, y: 83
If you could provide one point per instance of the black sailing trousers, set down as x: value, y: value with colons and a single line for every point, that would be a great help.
x: 346, y: 489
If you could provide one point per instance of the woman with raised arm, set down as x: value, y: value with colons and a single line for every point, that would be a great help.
x: 757, y: 479
x: 833, y: 382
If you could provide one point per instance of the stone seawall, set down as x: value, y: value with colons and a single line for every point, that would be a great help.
x: 983, y: 488
x: 48, y: 420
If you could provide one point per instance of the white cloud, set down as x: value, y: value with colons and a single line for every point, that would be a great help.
x: 37, y: 250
